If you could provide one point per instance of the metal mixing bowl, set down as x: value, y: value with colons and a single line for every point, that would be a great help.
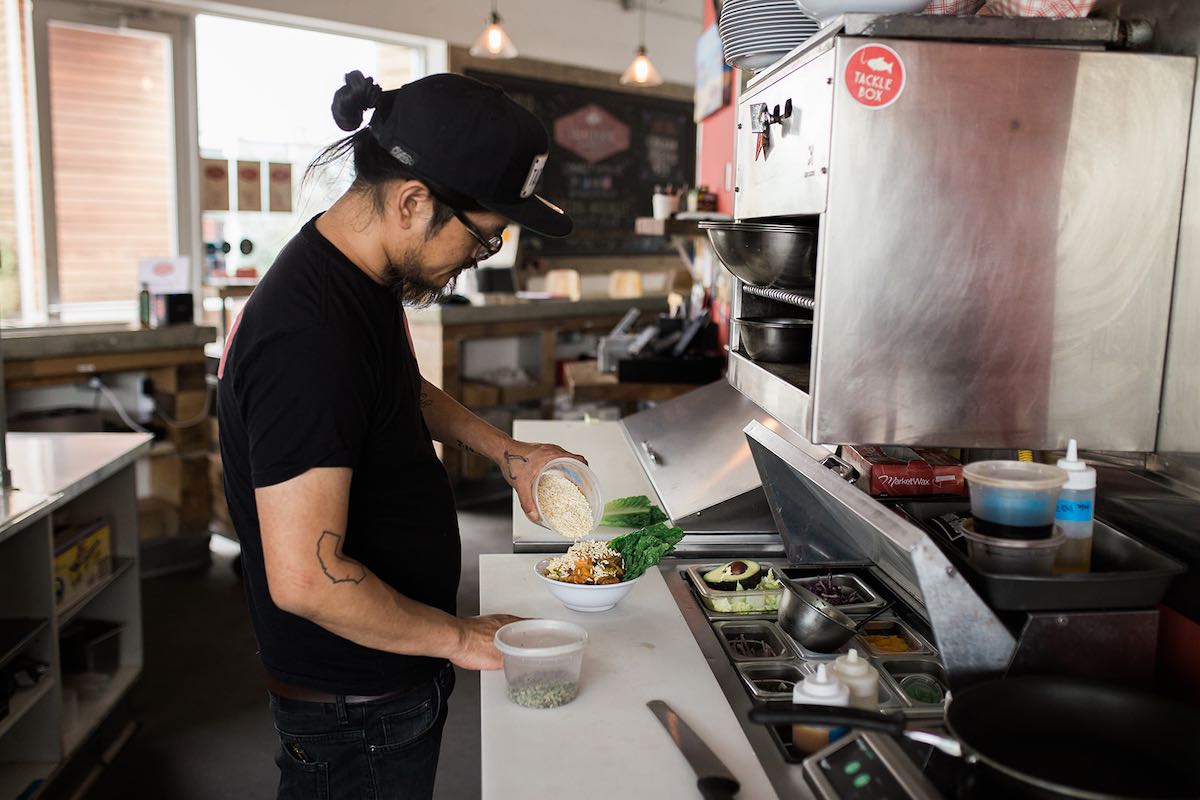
x: 767, y: 255
x: 811, y: 621
x: 785, y: 340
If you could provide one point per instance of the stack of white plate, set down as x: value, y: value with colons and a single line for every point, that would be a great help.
x: 757, y: 33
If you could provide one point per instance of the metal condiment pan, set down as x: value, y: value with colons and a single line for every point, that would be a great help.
x: 763, y: 628
x: 918, y: 646
x: 846, y: 579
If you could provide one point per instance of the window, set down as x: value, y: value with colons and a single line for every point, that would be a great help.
x: 105, y: 112
x: 114, y: 159
x: 238, y: 65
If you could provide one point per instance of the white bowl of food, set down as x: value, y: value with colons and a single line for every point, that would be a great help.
x: 586, y: 578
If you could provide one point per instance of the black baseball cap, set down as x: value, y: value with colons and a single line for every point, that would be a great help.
x: 473, y: 144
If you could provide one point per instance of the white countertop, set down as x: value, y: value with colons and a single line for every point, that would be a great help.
x: 605, y: 447
x: 606, y: 743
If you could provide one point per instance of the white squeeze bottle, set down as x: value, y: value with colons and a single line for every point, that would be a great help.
x: 1074, y: 516
x: 820, y: 689
x: 860, y: 678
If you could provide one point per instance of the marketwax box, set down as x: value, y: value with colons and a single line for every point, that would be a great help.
x: 886, y: 471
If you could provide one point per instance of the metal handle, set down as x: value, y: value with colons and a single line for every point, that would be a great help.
x: 649, y: 451
x: 841, y: 468
x: 779, y: 713
x: 715, y: 788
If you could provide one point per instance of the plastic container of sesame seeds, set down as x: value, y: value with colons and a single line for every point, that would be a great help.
x: 558, y: 504
x: 542, y: 661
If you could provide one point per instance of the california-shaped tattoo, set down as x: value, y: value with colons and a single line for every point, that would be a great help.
x: 336, y: 566
x: 508, y: 459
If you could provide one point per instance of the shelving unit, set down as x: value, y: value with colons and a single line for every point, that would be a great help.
x: 121, y: 567
x: 24, y: 700
x: 64, y: 480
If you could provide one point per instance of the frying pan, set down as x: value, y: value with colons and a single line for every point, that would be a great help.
x: 1050, y: 737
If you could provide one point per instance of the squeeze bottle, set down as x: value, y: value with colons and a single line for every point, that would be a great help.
x: 820, y: 689
x: 1074, y: 514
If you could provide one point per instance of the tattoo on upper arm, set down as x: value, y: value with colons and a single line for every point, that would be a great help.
x: 337, y: 567
x: 426, y: 400
x: 464, y: 446
x: 508, y: 459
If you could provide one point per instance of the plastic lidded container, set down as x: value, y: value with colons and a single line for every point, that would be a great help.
x: 1012, y: 556
x: 579, y: 474
x: 542, y: 661
x: 1014, y: 499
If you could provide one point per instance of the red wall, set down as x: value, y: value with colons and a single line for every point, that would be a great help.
x: 716, y: 139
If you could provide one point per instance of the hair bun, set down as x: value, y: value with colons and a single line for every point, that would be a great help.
x: 350, y: 101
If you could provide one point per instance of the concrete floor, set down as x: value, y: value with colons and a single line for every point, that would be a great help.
x: 205, y: 732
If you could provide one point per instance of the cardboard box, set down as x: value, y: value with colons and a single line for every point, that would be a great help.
x: 82, y: 559
x: 157, y: 519
x: 904, y: 471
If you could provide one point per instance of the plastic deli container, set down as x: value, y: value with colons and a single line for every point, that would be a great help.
x: 1014, y: 499
x: 747, y: 601
x: 542, y: 661
x: 1012, y: 556
x: 579, y: 474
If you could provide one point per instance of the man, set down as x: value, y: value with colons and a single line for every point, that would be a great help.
x: 350, y: 545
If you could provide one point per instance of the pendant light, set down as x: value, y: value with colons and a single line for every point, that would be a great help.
x: 493, y: 42
x: 641, y: 71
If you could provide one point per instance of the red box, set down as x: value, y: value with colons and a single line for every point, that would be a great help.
x: 904, y: 471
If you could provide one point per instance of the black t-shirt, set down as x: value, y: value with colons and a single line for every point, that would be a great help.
x: 319, y: 372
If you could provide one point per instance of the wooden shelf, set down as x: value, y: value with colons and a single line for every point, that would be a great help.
x: 24, y: 700
x: 15, y: 777
x: 649, y: 226
x: 92, y: 712
x: 67, y: 613
x: 523, y: 394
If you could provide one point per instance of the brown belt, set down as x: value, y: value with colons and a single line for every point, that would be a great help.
x: 290, y: 692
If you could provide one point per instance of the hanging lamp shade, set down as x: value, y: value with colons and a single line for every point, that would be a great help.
x: 493, y: 42
x: 641, y: 71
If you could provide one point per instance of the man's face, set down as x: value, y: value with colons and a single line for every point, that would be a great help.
x: 420, y: 272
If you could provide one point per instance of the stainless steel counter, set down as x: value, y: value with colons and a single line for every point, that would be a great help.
x: 532, y: 310
x: 52, y: 341
x: 50, y: 469
x: 786, y: 779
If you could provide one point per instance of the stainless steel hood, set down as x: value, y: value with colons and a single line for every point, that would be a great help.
x: 694, y: 452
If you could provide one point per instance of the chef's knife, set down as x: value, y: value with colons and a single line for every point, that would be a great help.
x: 715, y: 780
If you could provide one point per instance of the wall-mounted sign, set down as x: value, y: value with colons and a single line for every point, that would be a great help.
x: 279, y: 186
x: 249, y: 185
x: 214, y: 184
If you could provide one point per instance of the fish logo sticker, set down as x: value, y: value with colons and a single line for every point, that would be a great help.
x: 875, y: 76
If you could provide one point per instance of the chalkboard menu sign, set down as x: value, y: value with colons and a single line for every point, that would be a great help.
x: 608, y: 150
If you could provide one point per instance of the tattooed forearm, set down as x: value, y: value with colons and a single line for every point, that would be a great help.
x: 508, y: 459
x: 336, y: 566
x: 426, y: 400
x: 464, y: 446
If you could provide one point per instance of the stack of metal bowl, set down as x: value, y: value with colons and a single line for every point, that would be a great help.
x: 767, y: 254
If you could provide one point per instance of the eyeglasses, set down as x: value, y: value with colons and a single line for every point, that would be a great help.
x: 487, y: 247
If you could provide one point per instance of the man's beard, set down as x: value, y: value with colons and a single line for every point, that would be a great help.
x: 410, y: 286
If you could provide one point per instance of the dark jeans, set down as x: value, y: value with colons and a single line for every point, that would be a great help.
x: 380, y: 750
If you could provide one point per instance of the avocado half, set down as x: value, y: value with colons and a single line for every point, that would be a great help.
x: 727, y: 576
